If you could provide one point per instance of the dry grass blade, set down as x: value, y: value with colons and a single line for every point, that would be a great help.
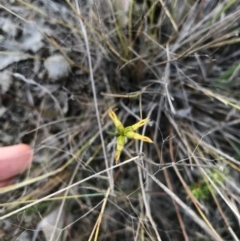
x: 98, y: 222
x: 185, y: 207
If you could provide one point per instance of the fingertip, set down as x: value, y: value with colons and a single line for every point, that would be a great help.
x: 26, y: 150
x: 14, y: 160
x: 6, y: 183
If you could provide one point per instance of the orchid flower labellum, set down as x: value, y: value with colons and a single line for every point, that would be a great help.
x: 127, y: 132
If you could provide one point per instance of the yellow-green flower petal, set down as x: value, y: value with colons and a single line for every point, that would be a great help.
x: 128, y: 132
x: 119, y: 147
x: 116, y: 121
x: 136, y: 136
x: 140, y: 123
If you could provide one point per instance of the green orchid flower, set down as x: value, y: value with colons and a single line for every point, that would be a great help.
x: 126, y: 132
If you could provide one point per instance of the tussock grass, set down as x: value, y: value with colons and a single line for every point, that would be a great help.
x: 175, y: 62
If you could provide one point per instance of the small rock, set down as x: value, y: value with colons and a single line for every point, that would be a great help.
x: 2, y: 111
x: 5, y: 81
x: 57, y: 67
x: 10, y: 28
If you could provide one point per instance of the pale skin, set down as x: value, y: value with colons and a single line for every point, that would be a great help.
x: 13, y: 161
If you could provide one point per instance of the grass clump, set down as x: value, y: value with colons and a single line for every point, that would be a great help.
x: 175, y: 62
